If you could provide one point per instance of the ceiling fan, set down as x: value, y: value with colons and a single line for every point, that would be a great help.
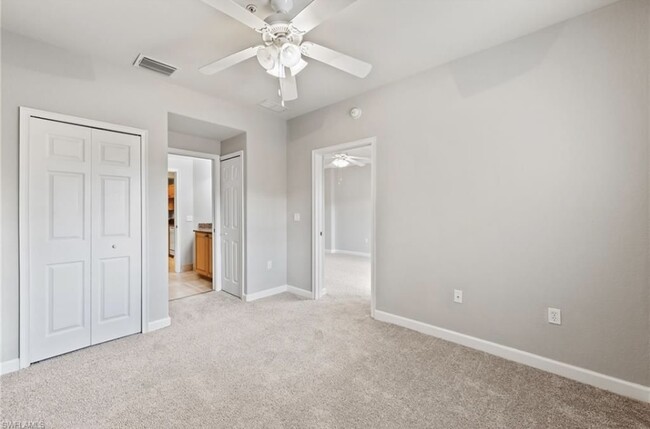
x: 342, y: 160
x: 282, y: 49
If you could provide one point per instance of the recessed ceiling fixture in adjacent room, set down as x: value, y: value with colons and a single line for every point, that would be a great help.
x: 283, y: 48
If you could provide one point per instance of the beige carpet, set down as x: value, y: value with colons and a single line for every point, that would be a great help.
x: 285, y: 362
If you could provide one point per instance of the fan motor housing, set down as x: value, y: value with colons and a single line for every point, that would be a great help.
x: 281, y: 31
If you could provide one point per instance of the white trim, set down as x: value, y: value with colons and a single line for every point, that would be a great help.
x: 8, y: 366
x: 602, y: 381
x: 216, y: 207
x: 244, y: 287
x: 23, y: 203
x: 348, y: 252
x: 159, y: 324
x: 278, y: 290
x: 265, y: 293
x: 317, y: 215
x: 299, y: 292
x: 178, y: 267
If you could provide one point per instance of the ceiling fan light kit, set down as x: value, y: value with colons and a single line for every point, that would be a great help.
x: 342, y: 160
x: 282, y: 51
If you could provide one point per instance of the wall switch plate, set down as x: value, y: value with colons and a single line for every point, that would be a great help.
x: 458, y: 296
x: 296, y: 217
x: 269, y: 265
x: 554, y: 316
x: 189, y: 218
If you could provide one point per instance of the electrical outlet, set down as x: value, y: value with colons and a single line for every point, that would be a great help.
x: 458, y: 296
x: 554, y: 316
x: 269, y: 265
x: 296, y: 217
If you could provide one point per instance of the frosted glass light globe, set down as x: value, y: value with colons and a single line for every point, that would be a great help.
x: 266, y: 58
x: 290, y: 55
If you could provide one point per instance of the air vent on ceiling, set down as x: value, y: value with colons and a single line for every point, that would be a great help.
x: 154, y: 65
x: 274, y: 106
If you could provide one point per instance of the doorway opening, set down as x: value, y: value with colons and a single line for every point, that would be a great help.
x: 206, y: 208
x: 343, y: 184
x: 190, y: 209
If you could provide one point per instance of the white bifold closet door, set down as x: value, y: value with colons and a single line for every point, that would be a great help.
x: 84, y: 237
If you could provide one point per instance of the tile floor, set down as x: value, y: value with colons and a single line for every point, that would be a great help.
x: 182, y: 285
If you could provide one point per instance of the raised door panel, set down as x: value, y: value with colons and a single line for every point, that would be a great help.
x: 59, y: 238
x: 67, y: 196
x: 116, y: 206
x: 115, y: 288
x: 65, y: 295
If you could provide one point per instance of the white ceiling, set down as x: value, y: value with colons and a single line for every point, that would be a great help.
x: 400, y: 38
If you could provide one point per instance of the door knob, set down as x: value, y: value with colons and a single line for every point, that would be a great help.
x: 114, y: 246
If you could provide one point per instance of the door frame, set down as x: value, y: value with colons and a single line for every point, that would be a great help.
x: 216, y: 208
x: 23, y: 220
x: 244, y: 286
x: 318, y: 215
x: 177, y: 257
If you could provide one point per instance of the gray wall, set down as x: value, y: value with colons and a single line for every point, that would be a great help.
x: 184, y: 206
x: 194, y: 143
x: 519, y: 175
x: 202, y: 181
x: 193, y: 198
x: 38, y: 75
x: 352, y: 209
x: 234, y: 144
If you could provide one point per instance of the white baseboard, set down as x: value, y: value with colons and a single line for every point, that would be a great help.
x: 349, y: 252
x: 159, y: 324
x: 9, y: 366
x: 299, y: 292
x: 602, y: 381
x: 265, y: 293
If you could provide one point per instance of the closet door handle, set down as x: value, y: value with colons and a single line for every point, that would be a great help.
x: 114, y: 246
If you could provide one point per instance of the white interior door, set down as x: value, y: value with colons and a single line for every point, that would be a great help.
x: 84, y: 237
x: 231, y: 225
x: 59, y: 238
x: 116, y: 236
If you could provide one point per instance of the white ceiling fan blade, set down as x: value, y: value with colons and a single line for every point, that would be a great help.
x: 359, y: 158
x: 330, y: 165
x: 355, y: 162
x: 337, y: 60
x: 229, y: 61
x: 289, y: 88
x: 237, y: 12
x: 317, y: 12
